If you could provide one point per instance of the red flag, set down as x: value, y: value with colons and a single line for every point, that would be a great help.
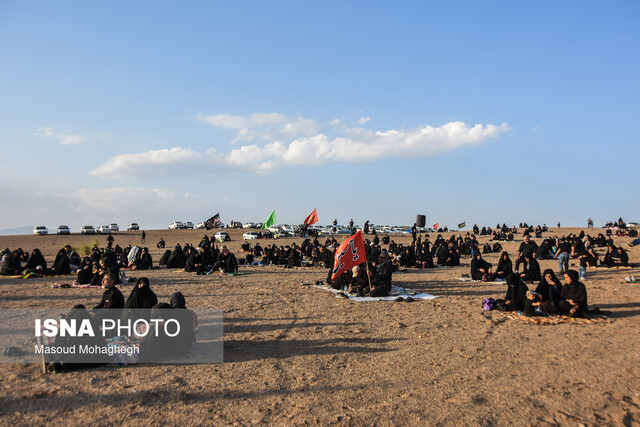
x: 312, y: 218
x: 350, y: 253
x: 436, y: 225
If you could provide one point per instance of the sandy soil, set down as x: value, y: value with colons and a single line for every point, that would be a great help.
x: 299, y: 355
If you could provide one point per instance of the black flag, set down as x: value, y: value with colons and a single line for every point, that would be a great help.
x: 462, y: 225
x: 212, y: 222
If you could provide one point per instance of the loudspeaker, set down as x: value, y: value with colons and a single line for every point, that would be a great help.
x: 421, y: 220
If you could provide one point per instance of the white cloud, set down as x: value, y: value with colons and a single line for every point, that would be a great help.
x: 142, y: 163
x: 363, y: 120
x: 268, y: 126
x: 306, y: 148
x: 63, y: 138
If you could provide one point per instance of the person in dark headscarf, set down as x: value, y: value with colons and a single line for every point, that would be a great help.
x: 516, y: 293
x: 531, y: 272
x: 144, y: 262
x: 10, y: 263
x: 504, y: 266
x: 61, y: 264
x: 177, y: 300
x: 177, y: 259
x: 574, y: 295
x: 36, y: 259
x: 141, y: 295
x: 194, y: 262
x: 85, y: 272
x: 158, y: 345
x: 479, y: 267
x: 547, y: 295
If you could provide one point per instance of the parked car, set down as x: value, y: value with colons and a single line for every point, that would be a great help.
x: 188, y: 224
x: 249, y: 225
x: 63, y: 229
x: 176, y: 225
x: 39, y: 230
x: 200, y: 225
x: 222, y: 236
x: 87, y: 229
x: 133, y: 227
x: 250, y: 235
x: 114, y: 227
x: 103, y: 229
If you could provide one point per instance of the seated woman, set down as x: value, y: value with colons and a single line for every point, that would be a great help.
x: 516, y: 295
x: 157, y: 344
x: 85, y: 272
x: 60, y: 265
x: 144, y: 262
x: 35, y: 259
x: 10, y: 263
x: 141, y: 295
x: 547, y: 295
x: 574, y: 296
x: 504, y: 267
x: 531, y: 271
x: 479, y: 267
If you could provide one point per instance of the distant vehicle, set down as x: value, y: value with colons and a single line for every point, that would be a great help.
x: 200, y: 225
x: 87, y: 229
x: 63, y: 229
x: 188, y: 224
x: 114, y: 227
x: 250, y: 235
x: 40, y: 230
x: 176, y: 225
x: 103, y: 229
x: 633, y: 224
x: 222, y: 236
x: 249, y: 225
x: 133, y: 227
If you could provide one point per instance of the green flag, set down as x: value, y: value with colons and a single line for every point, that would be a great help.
x: 271, y: 219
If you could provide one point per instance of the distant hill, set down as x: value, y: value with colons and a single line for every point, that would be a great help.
x: 27, y: 229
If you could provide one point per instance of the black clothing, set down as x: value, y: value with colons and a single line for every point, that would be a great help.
x: 516, y: 293
x: 35, y: 260
x: 531, y: 271
x: 61, y: 264
x: 111, y: 298
x: 142, y: 297
x: 504, y: 266
x: 382, y: 278
x: 476, y: 265
x: 177, y: 259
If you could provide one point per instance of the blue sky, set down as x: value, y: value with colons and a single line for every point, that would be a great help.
x: 481, y: 112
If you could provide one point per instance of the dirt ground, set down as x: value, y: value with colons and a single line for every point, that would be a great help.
x: 299, y: 355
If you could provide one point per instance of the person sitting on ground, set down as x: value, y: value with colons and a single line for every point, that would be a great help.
x: 504, y: 266
x: 531, y: 272
x: 381, y: 281
x: 359, y: 280
x: 61, y: 264
x: 546, y: 297
x: 226, y: 262
x: 144, y: 262
x: 85, y: 272
x: 160, y: 244
x: 516, y: 295
x: 574, y: 295
x: 195, y: 263
x: 35, y: 259
x: 10, y: 264
x: 141, y: 295
x: 620, y: 258
x: 112, y: 297
x: 74, y: 258
x: 480, y: 268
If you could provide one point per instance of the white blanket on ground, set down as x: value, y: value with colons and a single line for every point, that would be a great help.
x: 396, y: 292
